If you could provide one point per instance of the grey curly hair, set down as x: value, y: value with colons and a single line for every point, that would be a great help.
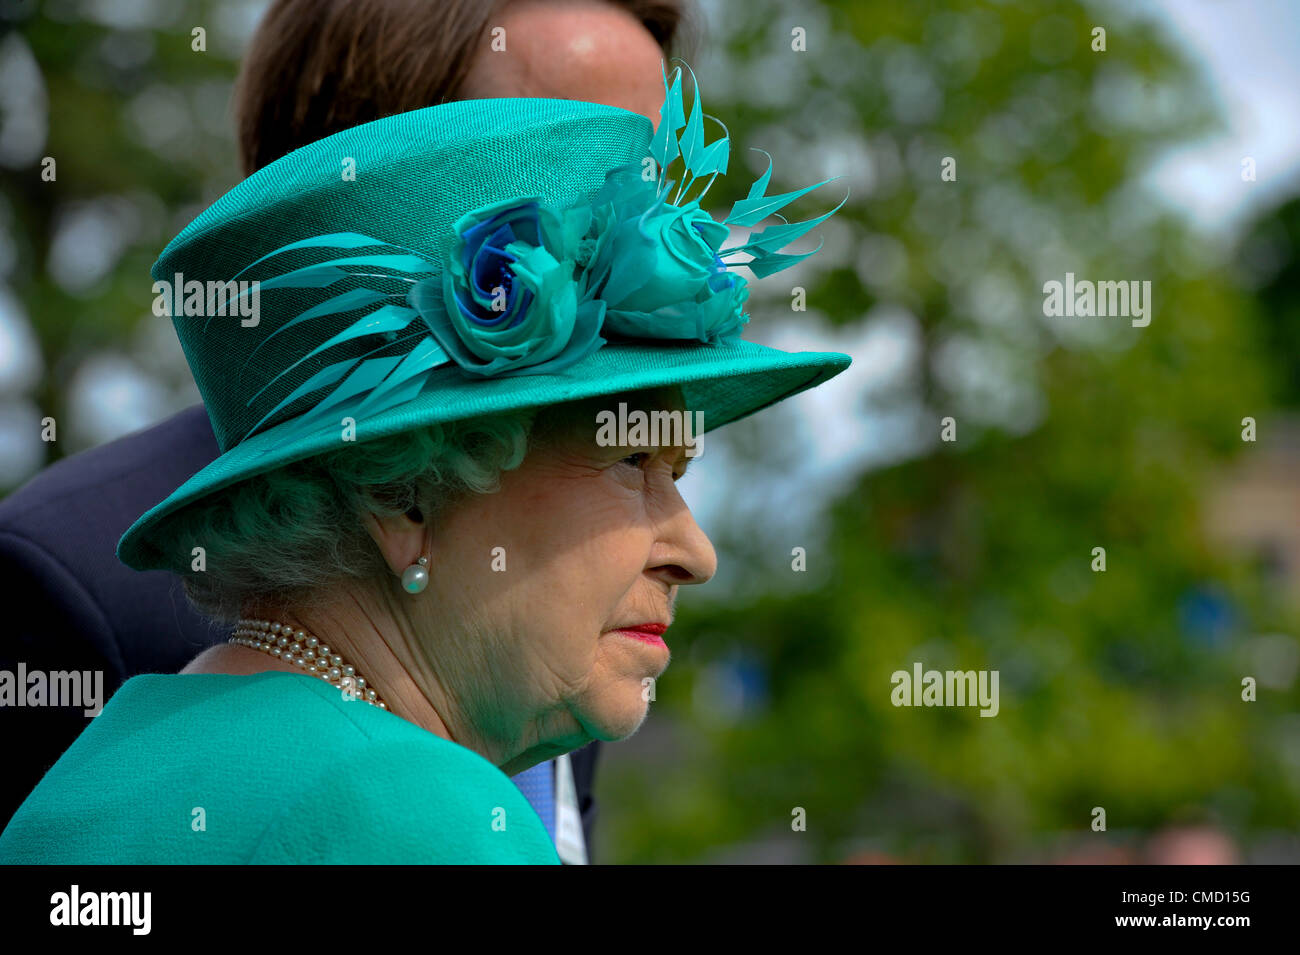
x: 284, y: 536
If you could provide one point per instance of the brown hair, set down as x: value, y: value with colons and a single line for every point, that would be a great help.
x: 319, y: 66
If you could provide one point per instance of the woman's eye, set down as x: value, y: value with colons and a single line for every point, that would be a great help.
x: 639, y: 459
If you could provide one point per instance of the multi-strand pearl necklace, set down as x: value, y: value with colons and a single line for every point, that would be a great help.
x: 306, y: 651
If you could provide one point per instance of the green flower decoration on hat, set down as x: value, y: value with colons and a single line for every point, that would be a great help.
x: 658, y: 267
x: 530, y: 290
x: 507, y: 302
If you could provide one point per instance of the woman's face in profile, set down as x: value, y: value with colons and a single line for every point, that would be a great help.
x: 532, y: 583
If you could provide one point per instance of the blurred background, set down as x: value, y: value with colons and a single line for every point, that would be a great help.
x: 1173, y: 156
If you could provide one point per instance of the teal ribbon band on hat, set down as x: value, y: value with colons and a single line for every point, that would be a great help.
x: 526, y: 288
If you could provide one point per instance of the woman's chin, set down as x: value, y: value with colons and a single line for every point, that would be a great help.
x: 621, y: 719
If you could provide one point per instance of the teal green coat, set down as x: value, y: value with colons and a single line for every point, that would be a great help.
x: 270, y: 768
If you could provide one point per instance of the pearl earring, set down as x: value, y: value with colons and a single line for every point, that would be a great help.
x: 415, y: 578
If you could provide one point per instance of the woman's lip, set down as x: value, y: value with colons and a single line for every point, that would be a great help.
x: 656, y: 628
x: 644, y: 635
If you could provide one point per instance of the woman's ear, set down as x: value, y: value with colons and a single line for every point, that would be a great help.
x: 401, y: 539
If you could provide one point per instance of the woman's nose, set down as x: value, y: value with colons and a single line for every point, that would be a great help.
x: 684, y: 554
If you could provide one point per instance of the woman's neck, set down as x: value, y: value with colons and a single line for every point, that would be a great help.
x: 348, y: 631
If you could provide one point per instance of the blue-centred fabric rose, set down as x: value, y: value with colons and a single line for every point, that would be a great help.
x: 656, y: 266
x: 508, y: 301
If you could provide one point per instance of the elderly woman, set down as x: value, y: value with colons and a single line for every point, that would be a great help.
x: 442, y: 565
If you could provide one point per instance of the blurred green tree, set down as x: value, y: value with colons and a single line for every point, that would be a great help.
x: 1119, y: 689
x: 133, y: 110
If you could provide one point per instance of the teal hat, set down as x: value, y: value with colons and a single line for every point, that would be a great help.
x: 467, y: 259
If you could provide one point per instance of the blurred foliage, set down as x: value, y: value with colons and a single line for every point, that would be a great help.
x: 1072, y: 433
x: 976, y: 554
x: 1270, y: 262
x: 141, y: 133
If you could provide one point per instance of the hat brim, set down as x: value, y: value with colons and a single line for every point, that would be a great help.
x: 725, y: 381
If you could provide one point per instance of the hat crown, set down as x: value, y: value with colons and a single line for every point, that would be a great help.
x: 404, y: 179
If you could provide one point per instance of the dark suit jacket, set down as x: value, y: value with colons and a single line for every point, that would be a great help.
x: 73, y: 606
